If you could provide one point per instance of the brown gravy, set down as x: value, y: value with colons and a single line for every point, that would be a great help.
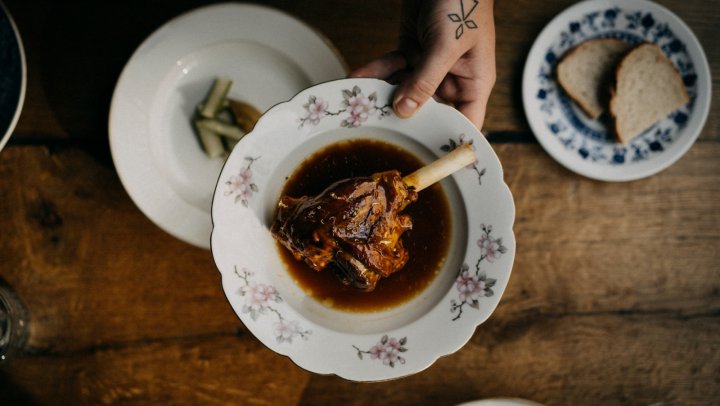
x: 427, y: 242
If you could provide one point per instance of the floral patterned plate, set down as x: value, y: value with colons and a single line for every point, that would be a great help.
x: 368, y: 346
x: 587, y: 146
x: 268, y: 54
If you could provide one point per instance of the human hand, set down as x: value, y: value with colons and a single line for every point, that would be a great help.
x: 446, y: 50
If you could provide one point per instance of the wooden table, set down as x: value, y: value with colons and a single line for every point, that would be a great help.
x: 614, y: 296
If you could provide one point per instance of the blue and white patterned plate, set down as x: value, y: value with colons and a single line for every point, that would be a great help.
x: 12, y: 75
x: 587, y: 146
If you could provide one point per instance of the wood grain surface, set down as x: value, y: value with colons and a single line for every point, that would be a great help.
x: 614, y: 296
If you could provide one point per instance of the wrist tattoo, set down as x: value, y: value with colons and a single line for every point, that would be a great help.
x: 463, y: 18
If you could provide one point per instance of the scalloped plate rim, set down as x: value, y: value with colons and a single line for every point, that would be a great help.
x: 465, y: 330
x: 626, y: 171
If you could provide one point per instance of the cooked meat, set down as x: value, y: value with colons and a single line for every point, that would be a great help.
x: 354, y: 227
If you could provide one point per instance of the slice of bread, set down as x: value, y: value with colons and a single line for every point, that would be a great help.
x: 586, y: 71
x: 647, y: 89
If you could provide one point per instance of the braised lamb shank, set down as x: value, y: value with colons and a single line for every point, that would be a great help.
x: 354, y: 227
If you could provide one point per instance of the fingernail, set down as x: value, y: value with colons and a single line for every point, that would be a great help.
x: 405, y: 107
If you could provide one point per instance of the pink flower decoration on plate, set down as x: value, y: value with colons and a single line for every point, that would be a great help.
x: 489, y: 249
x: 358, y: 107
x: 388, y: 350
x: 316, y: 108
x: 286, y: 330
x: 470, y: 288
x: 242, y: 185
x: 474, y: 286
x: 259, y: 298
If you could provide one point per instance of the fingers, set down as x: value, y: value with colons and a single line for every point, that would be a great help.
x: 421, y: 85
x: 470, y: 95
x: 474, y: 111
x: 381, y: 68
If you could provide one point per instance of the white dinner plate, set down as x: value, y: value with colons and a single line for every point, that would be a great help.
x: 501, y: 402
x: 269, y: 56
x: 586, y: 146
x: 361, y: 346
x: 13, y: 75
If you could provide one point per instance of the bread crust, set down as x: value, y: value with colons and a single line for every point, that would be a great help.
x: 612, y: 106
x: 567, y: 88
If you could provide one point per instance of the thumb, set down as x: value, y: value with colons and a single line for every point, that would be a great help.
x: 421, y: 85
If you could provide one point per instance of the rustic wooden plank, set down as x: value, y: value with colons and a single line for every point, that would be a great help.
x: 582, y: 246
x: 90, y: 266
x: 519, y: 22
x: 207, y: 370
x: 595, y: 360
x: 614, y: 297
x: 75, y: 83
x: 586, y: 359
x: 69, y: 88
